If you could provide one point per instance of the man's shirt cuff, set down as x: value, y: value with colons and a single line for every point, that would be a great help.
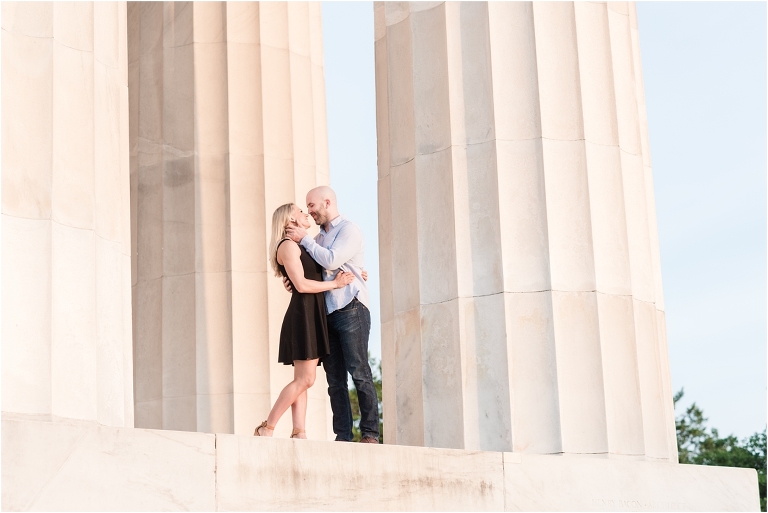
x: 306, y: 241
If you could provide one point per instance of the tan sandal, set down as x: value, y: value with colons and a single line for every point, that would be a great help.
x: 296, y: 432
x: 262, y: 425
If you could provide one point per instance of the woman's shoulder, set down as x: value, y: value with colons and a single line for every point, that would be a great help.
x: 286, y: 239
x: 287, y: 247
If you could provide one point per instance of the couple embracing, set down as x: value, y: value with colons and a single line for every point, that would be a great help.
x: 327, y: 319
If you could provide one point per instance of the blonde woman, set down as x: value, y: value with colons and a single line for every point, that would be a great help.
x: 304, y: 334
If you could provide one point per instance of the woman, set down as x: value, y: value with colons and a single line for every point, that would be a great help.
x: 304, y: 334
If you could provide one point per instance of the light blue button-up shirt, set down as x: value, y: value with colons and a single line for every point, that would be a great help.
x: 342, y: 247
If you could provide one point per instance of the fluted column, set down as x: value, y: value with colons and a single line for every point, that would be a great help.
x: 228, y: 123
x: 609, y: 232
x: 519, y: 273
x: 65, y: 212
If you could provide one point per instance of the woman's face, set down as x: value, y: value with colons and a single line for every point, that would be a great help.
x: 301, y: 218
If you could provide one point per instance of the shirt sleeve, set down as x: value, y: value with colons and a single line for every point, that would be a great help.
x: 347, y: 244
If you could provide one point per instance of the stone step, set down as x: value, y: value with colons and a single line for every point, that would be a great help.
x: 76, y: 465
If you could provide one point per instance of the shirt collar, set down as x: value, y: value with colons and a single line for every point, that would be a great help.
x: 334, y: 223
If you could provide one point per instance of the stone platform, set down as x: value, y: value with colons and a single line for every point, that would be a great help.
x: 73, y: 465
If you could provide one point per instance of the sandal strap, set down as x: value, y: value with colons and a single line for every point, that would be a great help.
x: 297, y: 432
x: 262, y: 425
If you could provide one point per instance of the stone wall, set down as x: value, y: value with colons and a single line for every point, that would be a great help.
x: 522, y: 306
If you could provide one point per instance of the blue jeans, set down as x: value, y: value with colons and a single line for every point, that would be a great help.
x: 348, y: 330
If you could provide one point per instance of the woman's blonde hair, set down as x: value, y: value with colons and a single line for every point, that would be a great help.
x: 280, y: 219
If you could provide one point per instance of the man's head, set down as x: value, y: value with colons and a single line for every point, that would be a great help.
x: 321, y: 205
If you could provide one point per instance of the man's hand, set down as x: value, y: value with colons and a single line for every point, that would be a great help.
x: 295, y: 233
x: 364, y: 274
x: 287, y: 283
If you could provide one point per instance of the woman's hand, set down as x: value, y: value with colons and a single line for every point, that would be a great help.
x: 343, y: 279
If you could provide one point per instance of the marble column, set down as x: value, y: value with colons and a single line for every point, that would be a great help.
x: 66, y: 266
x: 227, y: 123
x: 521, y: 289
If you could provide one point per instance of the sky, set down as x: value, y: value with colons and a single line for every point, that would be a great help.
x: 704, y: 67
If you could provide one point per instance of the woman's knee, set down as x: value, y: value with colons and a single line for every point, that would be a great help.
x: 305, y: 373
x: 305, y: 379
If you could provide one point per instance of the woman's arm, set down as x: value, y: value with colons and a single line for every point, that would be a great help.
x: 347, y: 244
x: 289, y: 256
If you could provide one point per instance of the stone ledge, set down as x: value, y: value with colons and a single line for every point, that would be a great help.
x: 78, y: 465
x: 72, y: 465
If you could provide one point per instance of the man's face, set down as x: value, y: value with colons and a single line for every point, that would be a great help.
x: 316, y: 207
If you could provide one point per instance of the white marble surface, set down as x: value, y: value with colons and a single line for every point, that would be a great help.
x: 288, y: 475
x: 78, y: 465
x: 82, y: 466
x: 573, y: 483
x: 524, y: 125
x: 66, y: 338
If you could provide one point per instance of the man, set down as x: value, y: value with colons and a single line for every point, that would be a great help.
x: 339, y: 245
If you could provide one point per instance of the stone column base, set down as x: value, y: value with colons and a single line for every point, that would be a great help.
x: 75, y: 465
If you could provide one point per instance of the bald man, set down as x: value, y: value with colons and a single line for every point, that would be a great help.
x: 340, y: 245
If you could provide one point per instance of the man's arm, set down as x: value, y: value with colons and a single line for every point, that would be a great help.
x: 287, y: 282
x: 348, y: 243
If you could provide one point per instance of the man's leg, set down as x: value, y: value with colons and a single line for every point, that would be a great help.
x: 336, y: 374
x: 353, y: 331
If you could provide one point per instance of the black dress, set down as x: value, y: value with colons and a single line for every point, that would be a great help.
x: 304, y: 335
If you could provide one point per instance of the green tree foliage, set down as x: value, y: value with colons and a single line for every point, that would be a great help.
x: 376, y: 370
x: 697, y: 446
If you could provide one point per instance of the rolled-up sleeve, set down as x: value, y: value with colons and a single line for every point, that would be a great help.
x: 346, y: 245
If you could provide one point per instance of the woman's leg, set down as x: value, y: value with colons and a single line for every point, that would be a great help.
x: 299, y: 414
x: 303, y: 377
